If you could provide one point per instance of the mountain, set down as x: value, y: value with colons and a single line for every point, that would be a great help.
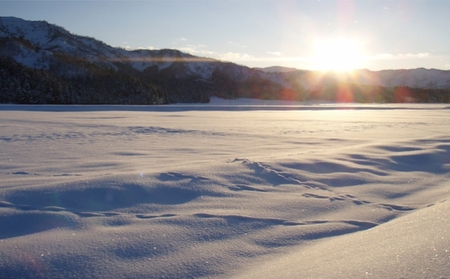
x: 90, y: 71
x: 39, y: 41
x: 277, y: 69
x: 44, y: 63
x: 414, y: 78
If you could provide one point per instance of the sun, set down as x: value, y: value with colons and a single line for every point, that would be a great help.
x: 337, y: 55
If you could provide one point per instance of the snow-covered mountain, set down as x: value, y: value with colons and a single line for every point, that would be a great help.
x: 80, y: 66
x: 45, y: 39
x: 415, y: 78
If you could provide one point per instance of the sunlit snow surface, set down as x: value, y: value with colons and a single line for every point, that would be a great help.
x: 230, y: 189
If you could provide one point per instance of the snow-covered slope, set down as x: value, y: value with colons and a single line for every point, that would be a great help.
x: 38, y: 40
x: 41, y: 36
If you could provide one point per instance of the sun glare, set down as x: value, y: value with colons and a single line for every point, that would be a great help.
x: 337, y: 55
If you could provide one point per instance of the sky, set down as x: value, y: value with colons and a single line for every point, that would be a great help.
x: 305, y: 34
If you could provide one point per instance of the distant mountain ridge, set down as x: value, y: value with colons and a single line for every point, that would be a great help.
x: 44, y: 63
x: 415, y: 78
x: 277, y: 69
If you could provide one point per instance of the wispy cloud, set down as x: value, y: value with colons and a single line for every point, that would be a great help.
x: 235, y: 44
x: 236, y: 56
x: 139, y: 48
x: 148, y: 48
x: 419, y: 55
x: 389, y: 56
x: 197, y: 50
x: 180, y: 41
x: 273, y: 58
x: 276, y: 53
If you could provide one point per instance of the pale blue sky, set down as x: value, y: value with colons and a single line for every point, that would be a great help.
x: 385, y: 34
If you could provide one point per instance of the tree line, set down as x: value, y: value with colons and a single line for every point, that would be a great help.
x: 23, y: 85
x: 73, y: 80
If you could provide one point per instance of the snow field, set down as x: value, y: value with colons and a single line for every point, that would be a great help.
x: 225, y: 190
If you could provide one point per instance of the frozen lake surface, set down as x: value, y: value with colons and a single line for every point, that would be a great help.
x: 242, y: 188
